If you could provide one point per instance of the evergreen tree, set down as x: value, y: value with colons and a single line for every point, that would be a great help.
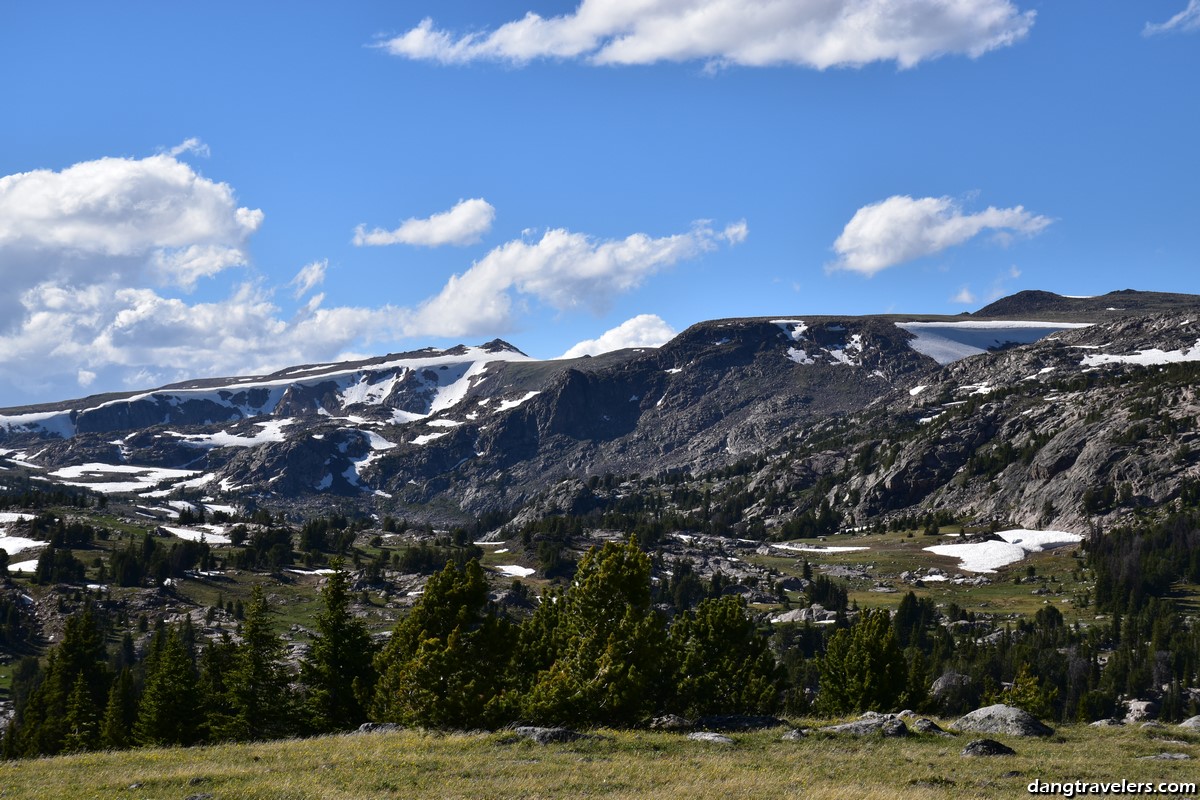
x: 444, y: 665
x: 610, y: 645
x: 216, y: 712
x: 82, y: 725
x: 863, y: 668
x: 260, y: 699
x: 167, y: 712
x: 722, y: 664
x: 80, y: 658
x: 338, y: 672
x: 120, y: 713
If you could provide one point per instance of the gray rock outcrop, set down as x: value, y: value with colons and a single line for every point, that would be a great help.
x: 870, y: 723
x: 1003, y: 720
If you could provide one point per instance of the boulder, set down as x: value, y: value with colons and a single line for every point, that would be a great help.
x: 1107, y: 723
x: 548, y: 735
x: 1140, y: 711
x: 1167, y: 757
x: 928, y: 726
x: 870, y: 723
x: 739, y: 722
x: 710, y: 736
x: 950, y: 683
x: 1004, y: 720
x: 670, y: 722
x: 794, y: 735
x: 987, y: 747
x: 1191, y: 723
x: 379, y: 727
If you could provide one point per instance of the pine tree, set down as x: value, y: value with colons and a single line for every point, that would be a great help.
x: 722, y: 664
x: 444, y: 664
x: 120, y: 713
x: 610, y: 663
x: 260, y: 699
x: 167, y: 712
x: 216, y: 665
x: 80, y: 657
x: 863, y: 668
x: 338, y: 671
x: 83, y: 730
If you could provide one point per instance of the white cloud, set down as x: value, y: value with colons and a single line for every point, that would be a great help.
x: 464, y: 224
x: 93, y: 258
x: 964, y: 296
x: 133, y: 218
x: 903, y: 228
x: 810, y: 33
x: 309, y: 276
x: 136, y: 337
x: 1185, y: 21
x: 563, y: 269
x: 192, y: 145
x: 644, y: 330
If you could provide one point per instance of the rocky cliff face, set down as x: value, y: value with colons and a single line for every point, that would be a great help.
x: 1086, y: 424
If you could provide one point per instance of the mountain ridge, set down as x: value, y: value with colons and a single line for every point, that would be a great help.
x: 469, y: 430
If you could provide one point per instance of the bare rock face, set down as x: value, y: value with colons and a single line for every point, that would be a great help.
x: 1003, y: 720
x: 1191, y: 723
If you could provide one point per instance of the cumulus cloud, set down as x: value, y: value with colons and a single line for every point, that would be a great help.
x: 132, y: 218
x: 964, y: 296
x: 644, y: 330
x: 810, y: 33
x: 140, y: 338
x: 1185, y: 21
x: 95, y: 258
x: 309, y: 276
x: 903, y: 228
x: 563, y: 269
x: 464, y: 224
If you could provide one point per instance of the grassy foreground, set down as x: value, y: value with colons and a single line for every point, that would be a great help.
x: 621, y: 765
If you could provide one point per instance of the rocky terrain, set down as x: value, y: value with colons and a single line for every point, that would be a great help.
x: 869, y: 416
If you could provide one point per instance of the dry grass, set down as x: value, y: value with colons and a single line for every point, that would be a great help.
x: 622, y: 765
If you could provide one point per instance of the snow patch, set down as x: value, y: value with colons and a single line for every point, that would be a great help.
x: 946, y: 342
x: 271, y: 431
x: 142, y: 477
x: 505, y: 405
x: 1146, y: 358
x: 1016, y: 545
x: 515, y: 571
x: 816, y: 548
x: 212, y: 534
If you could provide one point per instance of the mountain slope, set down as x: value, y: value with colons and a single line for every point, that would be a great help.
x: 868, y: 415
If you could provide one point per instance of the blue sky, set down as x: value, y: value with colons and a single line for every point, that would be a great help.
x: 222, y: 188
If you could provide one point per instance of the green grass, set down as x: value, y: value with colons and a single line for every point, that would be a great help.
x: 893, y: 553
x: 621, y: 765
